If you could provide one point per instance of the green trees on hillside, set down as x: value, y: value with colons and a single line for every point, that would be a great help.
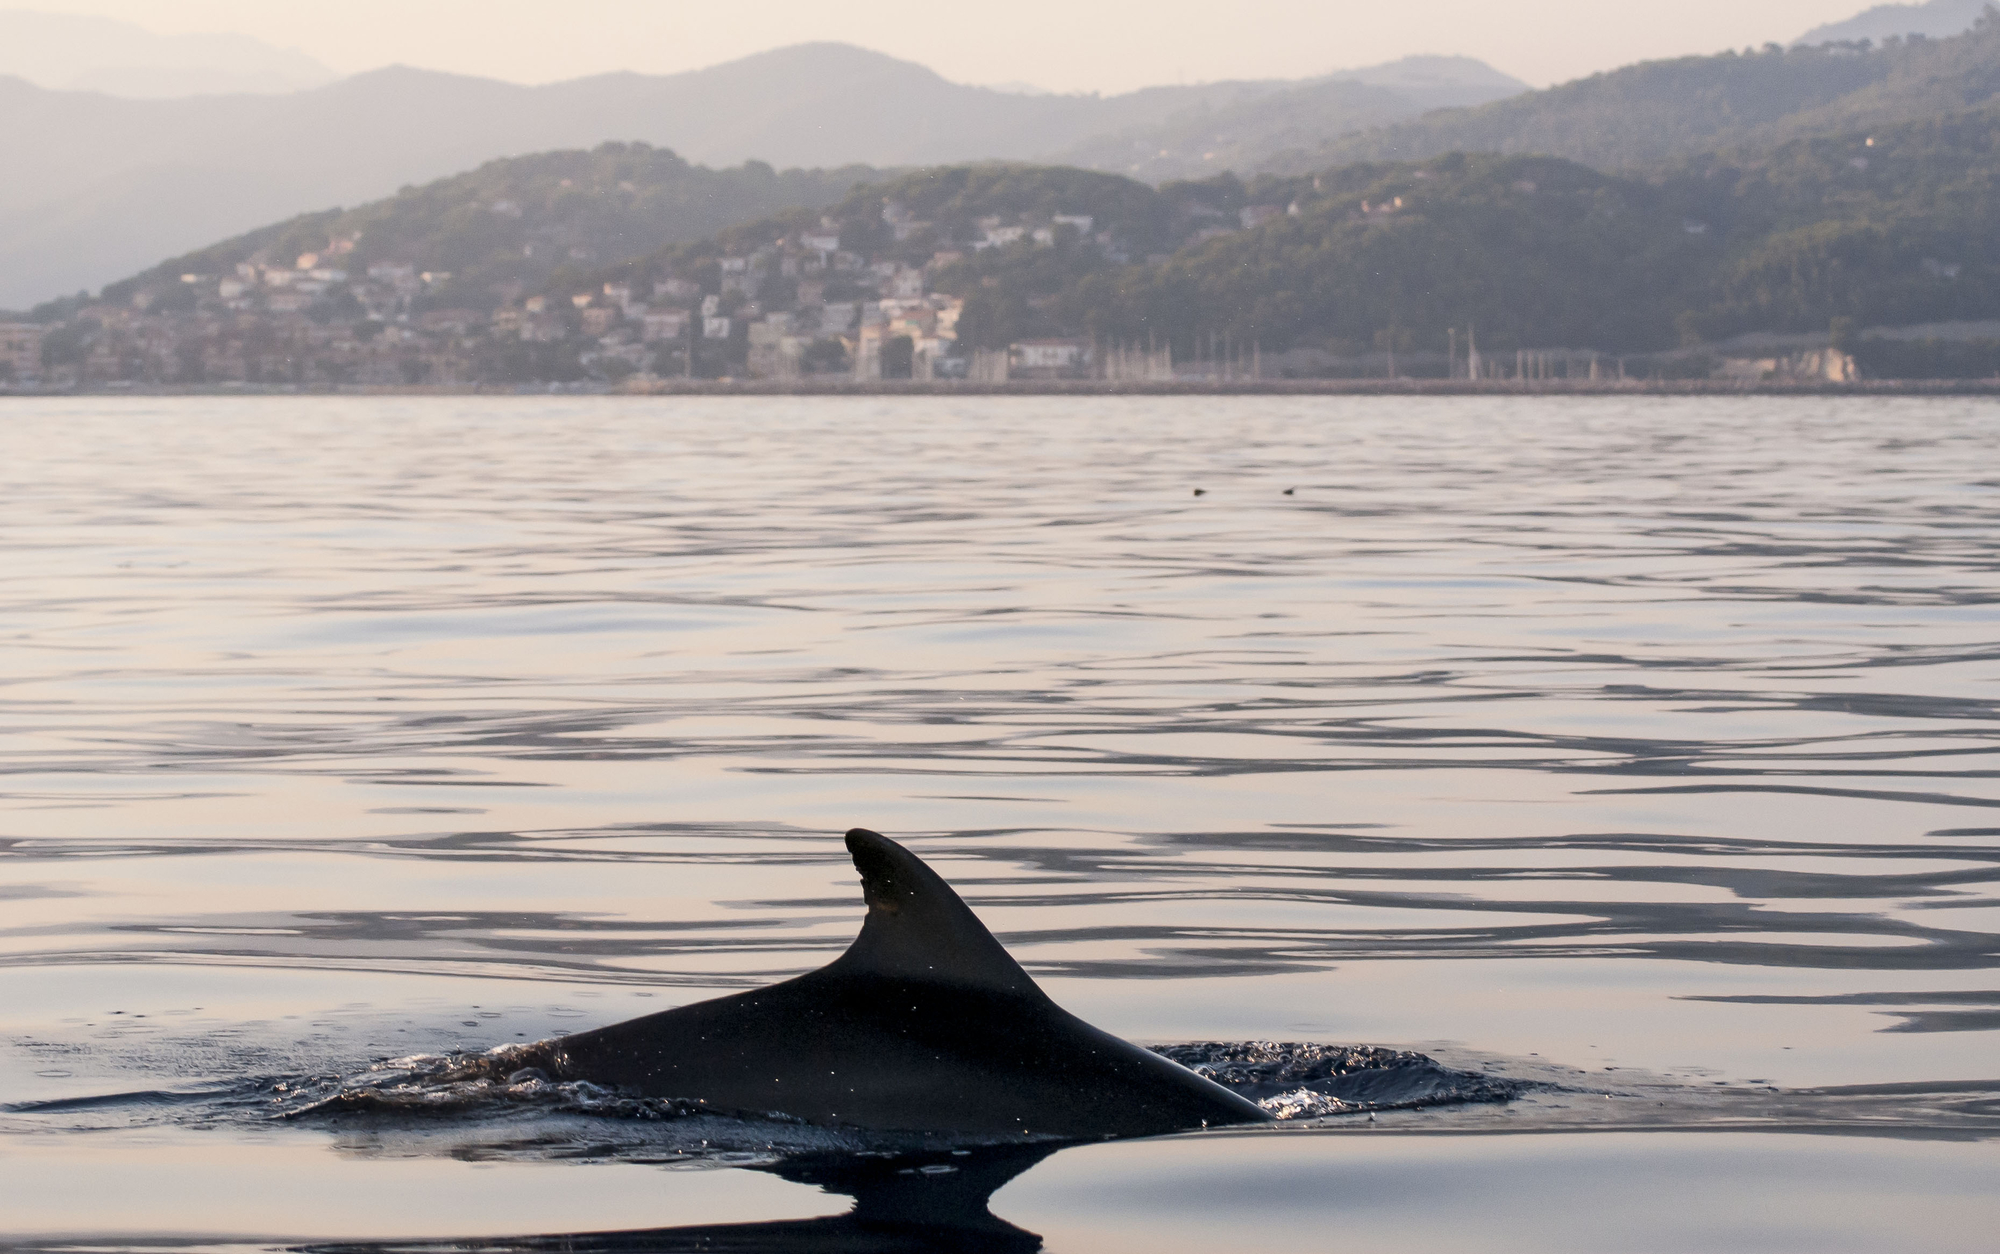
x: 1890, y: 228
x: 1644, y: 114
x: 1531, y: 250
x: 941, y: 207
x: 1897, y: 227
x: 1800, y: 280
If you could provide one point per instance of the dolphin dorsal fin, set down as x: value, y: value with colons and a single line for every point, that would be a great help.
x: 918, y: 929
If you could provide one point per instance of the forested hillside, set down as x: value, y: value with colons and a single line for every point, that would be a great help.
x: 97, y: 187
x: 1653, y: 112
x: 1895, y: 227
x: 1891, y: 228
x: 485, y: 237
x: 949, y: 207
x: 1531, y: 250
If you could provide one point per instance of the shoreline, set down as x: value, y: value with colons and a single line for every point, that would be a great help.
x: 1078, y: 387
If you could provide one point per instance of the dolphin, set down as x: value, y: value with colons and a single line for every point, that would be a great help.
x: 926, y: 1024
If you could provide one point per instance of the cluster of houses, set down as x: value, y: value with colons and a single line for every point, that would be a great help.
x: 798, y: 307
x: 119, y: 345
x: 810, y: 305
x: 748, y: 329
x: 310, y: 323
x: 819, y: 302
x: 20, y: 351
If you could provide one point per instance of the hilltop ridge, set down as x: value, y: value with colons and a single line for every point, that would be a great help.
x: 1652, y: 112
x: 1262, y: 119
x: 79, y: 52
x: 964, y: 271
x: 99, y: 187
x: 1934, y: 19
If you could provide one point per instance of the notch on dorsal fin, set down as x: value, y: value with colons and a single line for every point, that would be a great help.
x: 918, y: 929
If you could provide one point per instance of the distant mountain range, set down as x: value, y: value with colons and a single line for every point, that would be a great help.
x: 1657, y: 111
x: 1935, y: 19
x: 76, y: 53
x: 98, y: 187
x: 1813, y: 192
x: 1819, y: 240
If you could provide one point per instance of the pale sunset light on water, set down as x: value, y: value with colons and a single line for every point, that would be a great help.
x: 352, y: 729
x: 646, y: 627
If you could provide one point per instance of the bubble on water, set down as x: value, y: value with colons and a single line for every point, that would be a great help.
x: 1306, y: 1104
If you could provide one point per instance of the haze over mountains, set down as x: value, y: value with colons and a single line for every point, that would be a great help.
x: 1934, y: 19
x: 100, y: 187
x: 77, y: 53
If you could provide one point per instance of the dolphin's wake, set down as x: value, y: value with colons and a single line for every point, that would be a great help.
x: 1291, y: 1080
x: 1294, y: 1080
x: 924, y: 1036
x: 492, y: 1105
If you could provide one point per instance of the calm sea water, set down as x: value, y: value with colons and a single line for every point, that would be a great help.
x: 1643, y: 750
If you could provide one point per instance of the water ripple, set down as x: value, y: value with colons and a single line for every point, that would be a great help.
x: 1683, y: 708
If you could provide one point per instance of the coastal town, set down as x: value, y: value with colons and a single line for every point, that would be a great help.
x: 801, y: 306
x: 800, y: 309
x: 523, y: 275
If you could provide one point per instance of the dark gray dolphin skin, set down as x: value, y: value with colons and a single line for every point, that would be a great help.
x: 925, y: 1024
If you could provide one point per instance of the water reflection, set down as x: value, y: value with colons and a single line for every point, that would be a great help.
x: 903, y: 1204
x: 1622, y: 733
x: 1141, y: 898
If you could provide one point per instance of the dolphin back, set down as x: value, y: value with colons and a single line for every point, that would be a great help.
x: 925, y: 1023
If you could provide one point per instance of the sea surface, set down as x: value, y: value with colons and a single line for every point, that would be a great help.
x: 1638, y: 755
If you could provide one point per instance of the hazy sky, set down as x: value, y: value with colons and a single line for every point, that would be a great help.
x: 1102, y: 45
